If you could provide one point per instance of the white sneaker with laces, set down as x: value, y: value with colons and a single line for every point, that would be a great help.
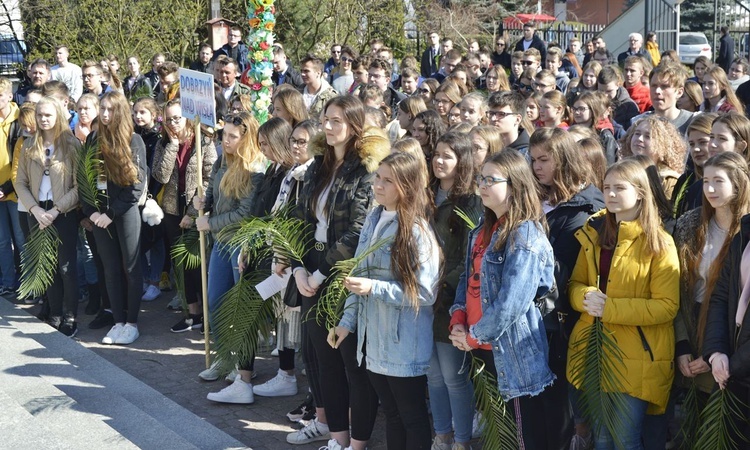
x: 282, y: 385
x: 238, y: 392
x: 314, y: 431
x: 128, y: 334
x: 151, y: 293
x: 333, y: 444
x: 113, y: 334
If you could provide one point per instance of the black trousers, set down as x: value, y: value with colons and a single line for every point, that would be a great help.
x: 172, y: 231
x: 407, y: 424
x: 528, y: 411
x: 119, y: 248
x: 64, y: 288
x: 335, y: 378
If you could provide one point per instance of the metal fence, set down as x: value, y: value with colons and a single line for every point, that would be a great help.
x: 560, y: 32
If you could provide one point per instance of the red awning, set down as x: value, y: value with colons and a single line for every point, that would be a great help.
x: 525, y: 18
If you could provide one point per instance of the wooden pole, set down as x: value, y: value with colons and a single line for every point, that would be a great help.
x: 204, y: 271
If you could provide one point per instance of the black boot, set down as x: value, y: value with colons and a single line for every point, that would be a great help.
x: 43, y: 313
x: 95, y: 300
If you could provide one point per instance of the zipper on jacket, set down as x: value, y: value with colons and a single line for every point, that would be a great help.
x: 645, y: 343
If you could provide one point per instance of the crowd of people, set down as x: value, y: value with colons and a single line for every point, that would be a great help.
x: 601, y: 188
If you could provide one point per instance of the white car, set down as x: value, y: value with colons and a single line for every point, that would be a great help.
x: 693, y: 45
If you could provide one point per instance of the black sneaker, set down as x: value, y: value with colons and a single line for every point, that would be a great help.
x: 103, y: 319
x: 55, y: 322
x: 43, y: 313
x: 305, y: 411
x: 69, y: 326
x: 194, y: 322
x: 6, y: 291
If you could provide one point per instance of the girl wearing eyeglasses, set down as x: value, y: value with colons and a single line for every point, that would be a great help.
x: 509, y: 264
x: 591, y: 109
x: 46, y: 185
x: 175, y: 165
x: 117, y: 220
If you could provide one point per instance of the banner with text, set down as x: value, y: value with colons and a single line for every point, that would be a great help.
x: 197, y: 96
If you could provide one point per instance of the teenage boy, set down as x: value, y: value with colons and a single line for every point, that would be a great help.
x: 554, y: 63
x: 506, y: 110
x: 635, y: 67
x: 609, y: 82
x: 667, y: 84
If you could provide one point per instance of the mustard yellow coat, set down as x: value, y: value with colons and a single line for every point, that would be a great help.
x: 642, y: 290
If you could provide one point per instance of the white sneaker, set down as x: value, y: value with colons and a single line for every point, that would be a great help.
x: 212, y: 373
x: 439, y: 444
x: 151, y: 293
x: 476, y: 426
x: 128, y: 334
x: 314, y: 431
x: 113, y: 334
x: 238, y: 392
x: 282, y: 385
x: 234, y: 374
x: 333, y: 444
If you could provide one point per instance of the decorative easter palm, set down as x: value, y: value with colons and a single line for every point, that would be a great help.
x: 38, y: 261
x: 140, y: 92
x: 185, y: 255
x: 497, y: 422
x: 471, y: 219
x: 597, y: 371
x: 331, y: 303
x: 241, y: 319
x: 88, y: 170
x: 719, y: 428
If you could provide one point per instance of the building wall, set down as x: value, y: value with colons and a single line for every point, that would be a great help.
x: 589, y: 11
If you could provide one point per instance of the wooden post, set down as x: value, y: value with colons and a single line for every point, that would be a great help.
x: 204, y: 271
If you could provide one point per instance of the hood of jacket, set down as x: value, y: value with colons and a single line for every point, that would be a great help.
x: 590, y: 197
x: 373, y: 147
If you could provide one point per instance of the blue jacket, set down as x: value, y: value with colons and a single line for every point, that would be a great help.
x: 511, y: 279
x: 399, y: 337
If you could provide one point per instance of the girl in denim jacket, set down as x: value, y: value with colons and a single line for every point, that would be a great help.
x: 509, y: 264
x: 390, y: 306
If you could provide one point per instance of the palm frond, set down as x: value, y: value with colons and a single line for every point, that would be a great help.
x: 597, y: 369
x: 472, y: 220
x: 498, y: 423
x: 38, y: 261
x: 280, y: 234
x: 186, y: 250
x: 142, y: 91
x: 719, y: 429
x: 331, y: 304
x: 88, y: 169
x: 691, y: 410
x: 242, y: 317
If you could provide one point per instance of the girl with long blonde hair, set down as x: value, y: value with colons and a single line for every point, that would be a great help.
x: 117, y: 219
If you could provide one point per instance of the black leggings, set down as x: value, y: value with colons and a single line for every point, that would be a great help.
x: 286, y: 359
x: 64, y: 288
x: 335, y: 378
x: 407, y: 424
x: 172, y: 231
x: 119, y: 248
x: 528, y: 411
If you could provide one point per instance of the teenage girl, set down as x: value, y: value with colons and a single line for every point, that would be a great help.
x: 591, y: 109
x: 485, y: 140
x: 730, y: 133
x: 688, y: 192
x: 426, y: 128
x: 408, y: 110
x: 390, y: 305
x: 553, y: 110
x: 509, y: 264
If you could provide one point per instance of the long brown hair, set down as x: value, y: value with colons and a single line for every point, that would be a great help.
x: 633, y: 172
x: 114, y: 141
x: 236, y: 181
x: 725, y: 89
x: 524, y: 204
x: 691, y: 255
x: 354, y: 114
x: 414, y: 208
x: 276, y: 132
x: 572, y: 169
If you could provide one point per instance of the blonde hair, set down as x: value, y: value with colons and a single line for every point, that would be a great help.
x: 58, y: 129
x: 236, y: 181
x: 666, y: 143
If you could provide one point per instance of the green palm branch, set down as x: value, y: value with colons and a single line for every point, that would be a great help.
x: 719, y: 427
x: 472, y: 220
x: 185, y: 254
x: 691, y: 409
x: 88, y: 169
x: 331, y: 303
x: 241, y: 318
x: 280, y: 234
x: 142, y: 91
x: 498, y: 424
x: 38, y: 261
x: 597, y: 370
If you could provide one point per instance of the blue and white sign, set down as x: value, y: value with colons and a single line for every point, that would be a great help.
x: 197, y: 96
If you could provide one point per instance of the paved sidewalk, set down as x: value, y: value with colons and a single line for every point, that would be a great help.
x: 170, y: 362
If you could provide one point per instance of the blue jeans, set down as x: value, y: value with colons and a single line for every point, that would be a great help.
x: 87, y: 273
x: 11, y: 242
x: 153, y: 265
x: 632, y: 424
x: 223, y: 273
x: 451, y: 392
